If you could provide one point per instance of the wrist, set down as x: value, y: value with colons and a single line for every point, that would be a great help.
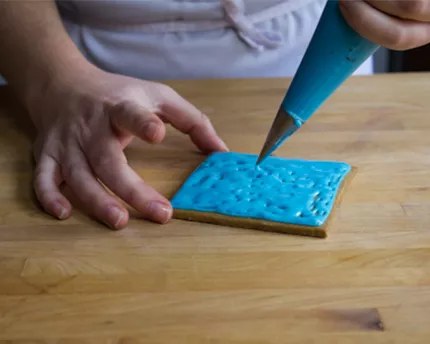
x: 46, y: 87
x: 41, y: 81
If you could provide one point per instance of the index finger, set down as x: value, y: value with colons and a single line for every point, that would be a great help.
x: 418, y: 10
x: 381, y: 28
x: 185, y: 117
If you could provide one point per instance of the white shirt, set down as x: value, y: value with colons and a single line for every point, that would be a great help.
x: 187, y: 39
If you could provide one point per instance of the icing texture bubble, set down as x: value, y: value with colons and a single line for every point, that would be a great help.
x: 290, y: 191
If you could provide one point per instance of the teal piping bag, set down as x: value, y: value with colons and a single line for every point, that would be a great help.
x: 334, y: 53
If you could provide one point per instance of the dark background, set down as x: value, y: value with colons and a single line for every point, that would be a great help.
x: 414, y: 60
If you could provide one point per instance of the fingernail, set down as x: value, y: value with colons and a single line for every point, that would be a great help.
x: 115, y: 215
x: 225, y: 146
x: 160, y: 212
x: 151, y: 131
x: 60, y: 211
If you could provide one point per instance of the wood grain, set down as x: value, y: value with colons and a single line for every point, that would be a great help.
x: 368, y: 282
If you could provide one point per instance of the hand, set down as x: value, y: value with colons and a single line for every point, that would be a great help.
x: 394, y: 24
x: 83, y: 128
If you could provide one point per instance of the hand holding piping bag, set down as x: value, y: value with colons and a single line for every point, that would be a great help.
x: 394, y: 24
x: 349, y: 32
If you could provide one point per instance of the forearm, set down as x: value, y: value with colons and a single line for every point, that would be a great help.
x: 35, y: 49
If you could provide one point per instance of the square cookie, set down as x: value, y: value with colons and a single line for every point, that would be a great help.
x: 282, y: 195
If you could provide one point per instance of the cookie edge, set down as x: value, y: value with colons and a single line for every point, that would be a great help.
x: 266, y: 225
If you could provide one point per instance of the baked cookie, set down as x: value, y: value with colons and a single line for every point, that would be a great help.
x: 282, y: 195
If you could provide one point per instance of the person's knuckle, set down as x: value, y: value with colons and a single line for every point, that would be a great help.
x: 140, y: 124
x: 38, y: 174
x: 205, y: 119
x: 166, y: 89
x: 396, y: 39
x: 89, y: 111
x: 127, y: 112
x: 44, y: 196
x: 137, y: 194
x: 120, y: 109
x: 203, y: 122
x: 71, y: 168
x: 43, y: 193
x: 412, y: 8
x: 197, y: 123
x: 164, y: 94
x: 103, y: 161
x: 132, y: 195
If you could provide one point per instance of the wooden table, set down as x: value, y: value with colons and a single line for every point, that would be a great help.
x: 368, y: 282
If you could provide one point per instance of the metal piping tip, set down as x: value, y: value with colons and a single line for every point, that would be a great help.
x: 283, y: 126
x: 264, y: 152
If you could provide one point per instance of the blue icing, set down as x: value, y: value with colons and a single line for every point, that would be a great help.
x: 290, y: 191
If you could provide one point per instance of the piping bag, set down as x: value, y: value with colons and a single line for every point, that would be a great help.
x: 334, y: 53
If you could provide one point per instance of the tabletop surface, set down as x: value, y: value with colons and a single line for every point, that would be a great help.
x: 186, y: 282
